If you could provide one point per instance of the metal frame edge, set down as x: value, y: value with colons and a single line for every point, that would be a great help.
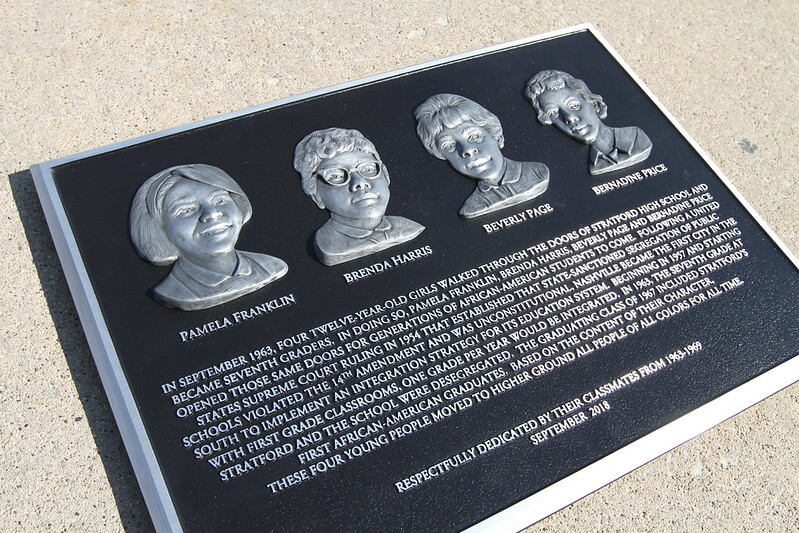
x: 126, y: 413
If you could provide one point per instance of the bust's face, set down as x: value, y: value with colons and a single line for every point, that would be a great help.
x: 472, y: 151
x: 571, y: 114
x: 201, y: 220
x: 353, y: 185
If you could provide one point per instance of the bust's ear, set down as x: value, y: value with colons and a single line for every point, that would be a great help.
x: 318, y: 201
x: 597, y: 108
x: 601, y: 108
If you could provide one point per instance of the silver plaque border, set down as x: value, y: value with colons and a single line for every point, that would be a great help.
x: 513, y: 518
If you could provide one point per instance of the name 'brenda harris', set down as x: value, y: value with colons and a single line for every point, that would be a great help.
x: 383, y: 266
x: 236, y: 317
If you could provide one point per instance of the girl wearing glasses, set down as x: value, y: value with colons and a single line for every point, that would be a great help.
x: 341, y: 171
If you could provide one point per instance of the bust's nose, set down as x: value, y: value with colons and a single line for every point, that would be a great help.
x: 210, y: 213
x: 358, y: 182
x: 466, y: 151
x: 571, y: 118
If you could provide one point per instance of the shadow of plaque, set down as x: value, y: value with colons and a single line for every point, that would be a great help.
x: 483, y: 372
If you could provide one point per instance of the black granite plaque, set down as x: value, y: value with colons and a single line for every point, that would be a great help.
x: 483, y: 367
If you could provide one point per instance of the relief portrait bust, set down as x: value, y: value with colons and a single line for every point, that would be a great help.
x: 342, y: 172
x: 470, y: 139
x: 566, y: 102
x: 190, y: 216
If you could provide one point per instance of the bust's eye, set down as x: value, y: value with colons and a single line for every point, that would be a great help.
x: 336, y: 176
x: 446, y: 146
x: 475, y: 136
x: 185, y: 210
x: 368, y: 170
x: 574, y: 105
x: 552, y: 114
x: 220, y: 200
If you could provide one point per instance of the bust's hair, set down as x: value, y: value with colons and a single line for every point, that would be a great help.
x: 553, y: 80
x: 146, y: 212
x: 327, y: 144
x: 445, y: 111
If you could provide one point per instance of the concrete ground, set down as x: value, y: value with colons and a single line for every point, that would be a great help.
x: 81, y: 74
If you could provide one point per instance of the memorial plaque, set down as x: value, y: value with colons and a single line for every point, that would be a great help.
x: 410, y: 303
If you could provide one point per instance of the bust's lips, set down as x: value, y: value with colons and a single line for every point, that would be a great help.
x: 580, y: 130
x: 479, y: 162
x: 216, y: 229
x: 366, y: 199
